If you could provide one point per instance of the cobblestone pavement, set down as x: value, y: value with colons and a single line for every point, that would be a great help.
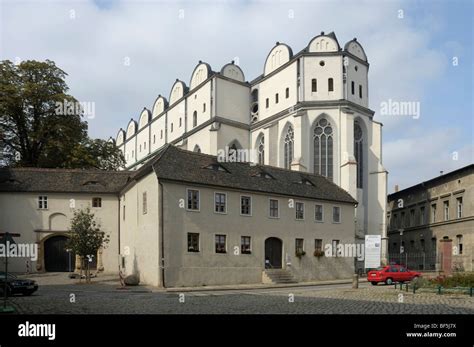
x: 328, y: 299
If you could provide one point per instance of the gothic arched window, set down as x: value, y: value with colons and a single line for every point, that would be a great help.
x: 323, y: 148
x: 358, y: 153
x: 261, y: 149
x: 288, y: 149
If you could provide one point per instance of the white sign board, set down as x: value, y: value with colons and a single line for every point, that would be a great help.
x: 373, y: 251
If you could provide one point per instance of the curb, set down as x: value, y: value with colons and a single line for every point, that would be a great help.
x: 269, y: 286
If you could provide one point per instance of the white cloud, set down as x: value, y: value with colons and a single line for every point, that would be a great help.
x: 411, y: 160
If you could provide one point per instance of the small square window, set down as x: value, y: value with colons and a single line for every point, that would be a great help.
x: 97, y: 202
x: 43, y: 202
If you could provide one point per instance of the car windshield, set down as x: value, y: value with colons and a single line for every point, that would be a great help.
x: 11, y: 276
x: 380, y: 268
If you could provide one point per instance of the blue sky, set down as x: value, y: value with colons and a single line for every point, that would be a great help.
x: 411, y: 59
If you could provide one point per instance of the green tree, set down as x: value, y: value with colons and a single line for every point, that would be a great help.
x: 40, y: 125
x: 86, y: 238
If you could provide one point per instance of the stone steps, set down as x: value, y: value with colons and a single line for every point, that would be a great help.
x: 279, y: 276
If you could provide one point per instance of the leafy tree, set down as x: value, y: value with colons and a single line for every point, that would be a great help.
x: 40, y: 125
x: 86, y: 238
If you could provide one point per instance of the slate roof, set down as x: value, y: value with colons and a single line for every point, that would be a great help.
x: 62, y: 180
x: 179, y: 165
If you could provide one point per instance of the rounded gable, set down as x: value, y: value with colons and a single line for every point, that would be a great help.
x: 120, y: 138
x: 279, y: 55
x: 355, y: 48
x: 201, y: 72
x: 233, y: 71
x: 145, y: 117
x: 177, y: 91
x: 324, y: 43
x: 131, y: 128
x: 159, y: 106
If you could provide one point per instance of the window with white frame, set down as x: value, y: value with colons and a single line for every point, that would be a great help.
x: 274, y: 208
x: 193, y: 242
x: 336, y: 214
x: 245, y: 245
x: 245, y: 205
x: 193, y: 199
x: 221, y: 244
x: 318, y: 213
x: 459, y: 243
x: 433, y: 213
x: 220, y: 203
x: 97, y: 202
x: 459, y: 207
x: 446, y: 210
x: 43, y: 202
x: 299, y: 209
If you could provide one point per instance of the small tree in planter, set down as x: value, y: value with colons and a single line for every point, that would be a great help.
x: 86, y: 238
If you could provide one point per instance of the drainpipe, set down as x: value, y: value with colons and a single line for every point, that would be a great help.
x: 119, y: 253
x: 161, y: 243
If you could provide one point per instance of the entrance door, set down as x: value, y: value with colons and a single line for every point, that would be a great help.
x: 273, y: 253
x: 56, y: 258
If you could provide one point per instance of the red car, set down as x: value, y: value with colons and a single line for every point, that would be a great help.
x: 390, y: 274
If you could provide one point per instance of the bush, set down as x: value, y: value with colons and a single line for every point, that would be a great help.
x: 456, y: 280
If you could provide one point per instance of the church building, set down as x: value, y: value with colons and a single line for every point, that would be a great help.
x: 179, y: 215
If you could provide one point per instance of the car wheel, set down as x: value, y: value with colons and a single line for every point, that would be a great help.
x: 374, y: 283
x: 389, y: 281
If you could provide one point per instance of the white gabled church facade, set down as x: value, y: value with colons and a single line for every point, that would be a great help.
x: 307, y: 112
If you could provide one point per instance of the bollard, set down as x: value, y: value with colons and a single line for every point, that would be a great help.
x: 439, y: 290
x: 355, y: 281
x: 470, y: 291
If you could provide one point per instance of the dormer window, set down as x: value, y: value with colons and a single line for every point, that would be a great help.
x: 93, y: 183
x: 306, y: 181
x: 263, y: 174
x: 215, y: 167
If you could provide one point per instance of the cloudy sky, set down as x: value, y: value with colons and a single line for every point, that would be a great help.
x: 122, y: 54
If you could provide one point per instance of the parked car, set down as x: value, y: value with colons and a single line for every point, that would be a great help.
x: 17, y: 285
x: 390, y: 274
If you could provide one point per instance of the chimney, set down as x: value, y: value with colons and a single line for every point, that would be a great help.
x: 396, y: 188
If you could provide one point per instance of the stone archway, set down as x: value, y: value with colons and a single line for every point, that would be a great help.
x: 56, y: 257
